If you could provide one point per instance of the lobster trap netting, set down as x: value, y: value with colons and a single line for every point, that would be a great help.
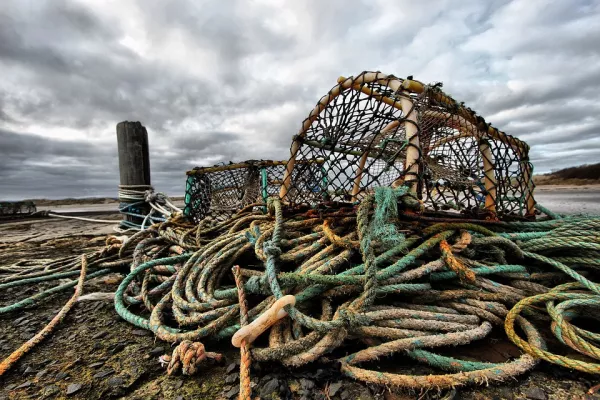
x: 377, y: 130
x: 214, y: 194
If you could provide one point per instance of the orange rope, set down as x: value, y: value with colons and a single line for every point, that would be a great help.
x: 245, y: 358
x: 9, y: 361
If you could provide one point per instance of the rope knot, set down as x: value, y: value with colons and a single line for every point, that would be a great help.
x: 271, y: 249
x: 257, y: 285
x: 151, y: 196
x: 352, y: 319
x: 187, y: 356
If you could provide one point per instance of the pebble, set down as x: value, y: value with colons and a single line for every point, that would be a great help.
x: 334, y: 388
x: 96, y: 364
x: 269, y: 388
x: 233, y: 391
x: 157, y: 351
x: 118, y: 348
x: 25, y: 336
x: 178, y: 384
x: 24, y: 385
x: 535, y: 393
x: 41, y: 374
x: 230, y: 368
x: 73, y: 388
x: 307, y: 384
x: 231, y: 378
x: 28, y: 371
x: 115, y: 381
x: 61, y: 375
x: 10, y: 387
x: 100, y: 335
x: 50, y: 390
x: 103, y: 374
x: 19, y: 320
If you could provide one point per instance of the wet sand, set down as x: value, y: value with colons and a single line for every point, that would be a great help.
x: 570, y: 199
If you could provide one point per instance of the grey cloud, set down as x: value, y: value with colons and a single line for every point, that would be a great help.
x: 222, y: 81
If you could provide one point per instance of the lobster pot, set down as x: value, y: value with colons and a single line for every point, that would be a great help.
x: 214, y: 194
x: 378, y: 130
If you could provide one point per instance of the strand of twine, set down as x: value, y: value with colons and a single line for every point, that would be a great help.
x: 245, y: 357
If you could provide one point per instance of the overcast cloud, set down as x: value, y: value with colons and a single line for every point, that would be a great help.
x: 232, y: 80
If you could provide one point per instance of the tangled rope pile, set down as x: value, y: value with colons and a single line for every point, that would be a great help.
x: 385, y: 276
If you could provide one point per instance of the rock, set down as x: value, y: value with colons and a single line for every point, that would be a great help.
x: 96, y: 364
x: 103, y: 374
x: 233, y: 392
x: 157, y: 351
x: 230, y: 368
x: 535, y: 393
x: 61, y: 375
x: 28, y: 371
x: 115, y: 381
x: 25, y: 336
x: 50, y: 390
x: 17, y: 321
x: 307, y: 384
x: 24, y: 385
x: 10, y: 387
x: 118, y: 348
x: 41, y: 374
x: 269, y: 388
x: 141, y: 332
x: 100, y: 335
x: 334, y: 388
x: 178, y: 384
x: 232, y: 378
x: 74, y: 388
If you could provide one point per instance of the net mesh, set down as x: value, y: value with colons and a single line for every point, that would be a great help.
x: 378, y: 130
x: 214, y: 194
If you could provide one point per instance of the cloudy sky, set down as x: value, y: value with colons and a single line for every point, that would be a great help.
x: 231, y: 80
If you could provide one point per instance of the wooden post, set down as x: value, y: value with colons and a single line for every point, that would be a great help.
x: 134, y: 160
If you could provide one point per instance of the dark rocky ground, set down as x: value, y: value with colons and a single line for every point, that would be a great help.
x: 96, y: 355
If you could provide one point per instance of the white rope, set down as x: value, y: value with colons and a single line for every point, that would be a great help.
x: 100, y: 221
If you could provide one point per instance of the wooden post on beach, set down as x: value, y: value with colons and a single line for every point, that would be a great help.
x: 134, y: 162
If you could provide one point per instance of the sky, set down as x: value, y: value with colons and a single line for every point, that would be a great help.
x: 216, y: 81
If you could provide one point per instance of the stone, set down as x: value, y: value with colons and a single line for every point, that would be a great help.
x: 74, y: 388
x: 100, y: 335
x: 41, y: 373
x: 157, y: 351
x: 10, y: 387
x: 115, y: 381
x: 233, y: 392
x: 178, y: 384
x: 334, y: 388
x: 50, y: 390
x: 61, y: 375
x: 28, y: 371
x: 96, y: 364
x: 231, y: 378
x: 230, y: 368
x: 535, y: 393
x: 307, y: 384
x: 103, y: 374
x: 269, y: 388
x: 24, y: 385
x: 118, y: 348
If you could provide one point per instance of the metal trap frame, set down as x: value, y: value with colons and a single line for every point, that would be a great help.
x: 379, y: 130
x: 216, y: 193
